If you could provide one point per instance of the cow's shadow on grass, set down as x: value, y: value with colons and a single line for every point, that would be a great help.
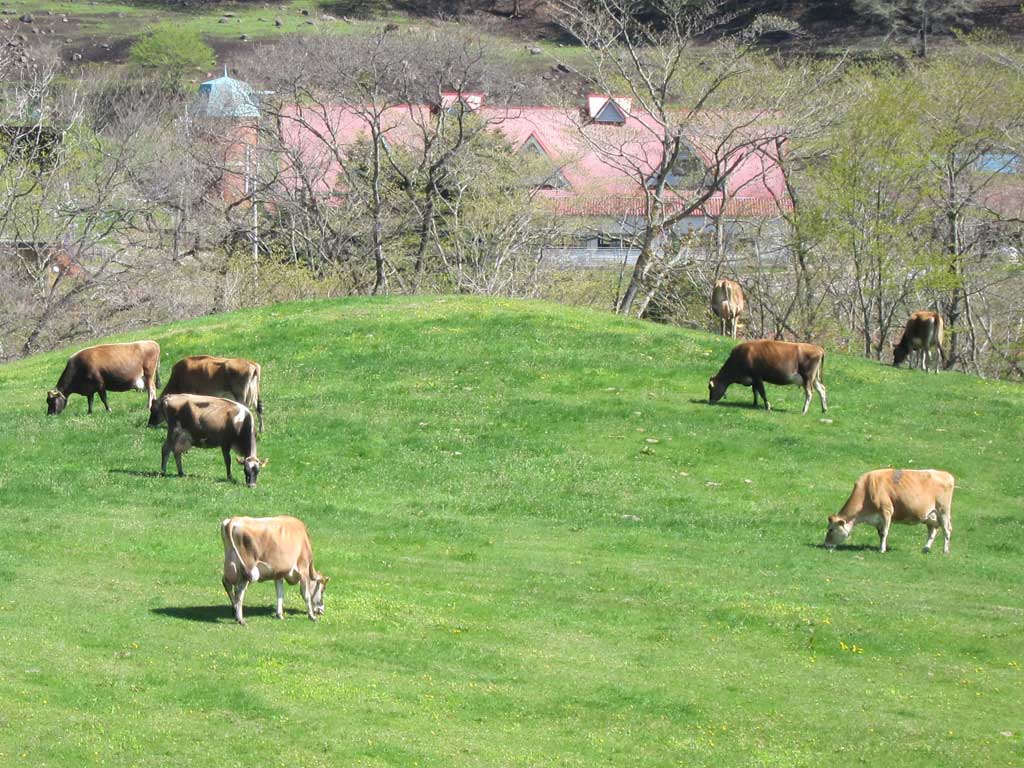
x: 851, y: 548
x: 172, y: 476
x: 735, y: 404
x: 134, y: 472
x: 212, y: 614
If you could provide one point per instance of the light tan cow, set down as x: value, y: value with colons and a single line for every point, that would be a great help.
x: 232, y: 377
x: 727, y: 303
x: 270, y: 548
x: 107, y: 368
x: 885, y: 496
x: 921, y: 336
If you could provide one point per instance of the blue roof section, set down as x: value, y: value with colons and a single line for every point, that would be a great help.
x: 227, y: 97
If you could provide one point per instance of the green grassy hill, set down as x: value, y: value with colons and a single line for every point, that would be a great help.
x: 545, y: 549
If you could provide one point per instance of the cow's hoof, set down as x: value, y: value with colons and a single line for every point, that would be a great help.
x: 280, y: 616
x: 926, y: 550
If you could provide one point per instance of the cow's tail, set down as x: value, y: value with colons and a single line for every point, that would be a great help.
x: 227, y: 533
x: 158, y: 382
x: 940, y: 332
x: 253, y: 398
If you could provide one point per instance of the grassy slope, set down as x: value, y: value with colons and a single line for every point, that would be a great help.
x: 519, y: 577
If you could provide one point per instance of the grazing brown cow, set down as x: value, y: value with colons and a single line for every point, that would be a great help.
x: 922, y: 334
x: 727, y: 303
x: 232, y: 377
x: 274, y: 548
x: 107, y: 368
x: 752, y: 363
x: 210, y: 422
x: 885, y: 496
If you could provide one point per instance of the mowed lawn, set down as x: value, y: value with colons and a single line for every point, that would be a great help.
x: 545, y: 549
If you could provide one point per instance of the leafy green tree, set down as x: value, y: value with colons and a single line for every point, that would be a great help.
x: 871, y: 206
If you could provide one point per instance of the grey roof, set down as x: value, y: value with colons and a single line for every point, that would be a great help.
x: 227, y: 97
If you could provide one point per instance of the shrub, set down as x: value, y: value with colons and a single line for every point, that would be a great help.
x: 171, y: 50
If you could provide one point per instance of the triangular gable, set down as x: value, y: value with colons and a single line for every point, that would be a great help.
x: 468, y: 100
x: 687, y: 171
x: 556, y: 181
x: 610, y: 113
x: 533, y: 146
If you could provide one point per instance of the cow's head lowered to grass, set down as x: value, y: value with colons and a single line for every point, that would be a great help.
x: 55, y: 402
x: 838, y: 531
x: 251, y: 465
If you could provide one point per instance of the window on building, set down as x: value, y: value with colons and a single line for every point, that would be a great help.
x: 610, y: 114
x: 554, y: 180
x: 687, y: 172
x: 999, y: 162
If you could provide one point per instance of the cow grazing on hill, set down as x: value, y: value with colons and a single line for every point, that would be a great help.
x: 885, y: 496
x: 107, y: 368
x: 727, y: 303
x: 922, y: 335
x: 753, y: 363
x: 210, y: 422
x: 234, y: 378
x: 276, y: 548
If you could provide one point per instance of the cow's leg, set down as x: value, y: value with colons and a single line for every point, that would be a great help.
x: 808, y: 394
x: 883, y: 530
x: 227, y: 458
x: 165, y: 451
x: 759, y: 390
x: 239, y: 597
x: 307, y: 595
x: 932, y: 530
x: 280, y: 598
x: 89, y: 398
x: 947, y: 531
x: 177, y: 460
x: 822, y: 394
x: 103, y: 397
x: 229, y: 589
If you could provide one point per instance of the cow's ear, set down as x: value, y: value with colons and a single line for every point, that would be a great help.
x: 833, y: 519
x: 325, y: 580
x: 264, y: 462
x: 240, y: 460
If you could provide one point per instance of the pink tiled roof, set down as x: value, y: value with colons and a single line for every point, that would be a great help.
x: 317, y: 136
x: 605, y: 165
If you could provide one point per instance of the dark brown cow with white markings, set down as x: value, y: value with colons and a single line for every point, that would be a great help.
x: 922, y: 336
x: 210, y: 422
x: 270, y: 548
x: 107, y: 368
x: 232, y: 377
x: 887, y: 496
x: 753, y: 363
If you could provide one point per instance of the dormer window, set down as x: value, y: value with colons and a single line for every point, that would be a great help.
x: 554, y: 180
x: 532, y: 147
x: 607, y: 110
x: 453, y: 101
x: 610, y: 114
x: 687, y: 172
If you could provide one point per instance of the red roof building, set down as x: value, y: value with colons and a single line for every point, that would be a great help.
x: 601, y: 155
